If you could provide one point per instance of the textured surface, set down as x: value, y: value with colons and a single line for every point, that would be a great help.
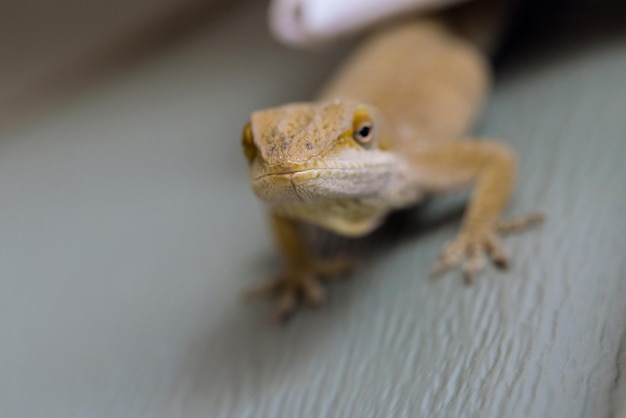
x: 128, y: 231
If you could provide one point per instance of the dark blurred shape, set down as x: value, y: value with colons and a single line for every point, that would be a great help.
x: 47, y: 47
x: 551, y: 21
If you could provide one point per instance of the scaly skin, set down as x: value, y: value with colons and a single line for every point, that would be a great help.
x: 386, y: 132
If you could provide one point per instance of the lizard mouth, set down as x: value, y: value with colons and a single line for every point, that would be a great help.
x: 314, y: 184
x: 308, y: 172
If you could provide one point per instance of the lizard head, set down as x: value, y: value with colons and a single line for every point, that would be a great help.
x: 311, y: 159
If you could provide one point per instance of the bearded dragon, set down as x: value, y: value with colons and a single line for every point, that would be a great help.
x: 389, y: 130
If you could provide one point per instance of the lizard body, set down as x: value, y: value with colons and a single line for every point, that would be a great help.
x: 386, y: 131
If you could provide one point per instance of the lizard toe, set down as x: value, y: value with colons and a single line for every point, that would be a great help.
x: 450, y: 257
x: 475, y: 262
x: 287, y: 305
x: 497, y: 252
x: 520, y: 224
x: 312, y: 292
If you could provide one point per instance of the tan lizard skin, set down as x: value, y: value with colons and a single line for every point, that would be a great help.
x: 386, y: 132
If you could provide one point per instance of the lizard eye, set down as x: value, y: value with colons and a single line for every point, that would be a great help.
x: 247, y: 141
x: 362, y: 127
x: 364, y: 133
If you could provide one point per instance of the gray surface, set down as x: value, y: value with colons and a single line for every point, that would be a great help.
x: 128, y: 232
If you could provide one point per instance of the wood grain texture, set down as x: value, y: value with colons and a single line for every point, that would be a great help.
x: 128, y: 231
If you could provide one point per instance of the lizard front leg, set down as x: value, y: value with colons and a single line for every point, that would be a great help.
x: 491, y: 167
x: 301, y: 279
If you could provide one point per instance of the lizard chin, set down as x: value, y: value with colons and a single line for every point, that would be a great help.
x: 348, y: 202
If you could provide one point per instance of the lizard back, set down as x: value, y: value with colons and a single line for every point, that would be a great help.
x: 427, y: 82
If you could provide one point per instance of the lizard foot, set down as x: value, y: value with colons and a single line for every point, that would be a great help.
x: 471, y: 249
x: 301, y: 284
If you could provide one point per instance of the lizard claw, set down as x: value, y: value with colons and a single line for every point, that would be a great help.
x: 472, y: 249
x: 475, y: 262
x: 290, y: 288
x: 468, y: 251
x: 296, y: 285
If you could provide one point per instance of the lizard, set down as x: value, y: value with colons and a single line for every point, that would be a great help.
x: 389, y: 130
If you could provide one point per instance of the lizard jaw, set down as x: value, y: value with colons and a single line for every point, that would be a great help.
x: 315, y: 184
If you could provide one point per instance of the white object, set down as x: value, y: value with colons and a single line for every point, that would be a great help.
x: 310, y: 22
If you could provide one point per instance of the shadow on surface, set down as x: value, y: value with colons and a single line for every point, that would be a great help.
x: 246, y: 355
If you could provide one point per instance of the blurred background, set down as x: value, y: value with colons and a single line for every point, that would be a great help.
x: 128, y: 230
x: 49, y: 50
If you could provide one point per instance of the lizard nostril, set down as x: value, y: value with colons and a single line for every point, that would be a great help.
x: 247, y: 142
